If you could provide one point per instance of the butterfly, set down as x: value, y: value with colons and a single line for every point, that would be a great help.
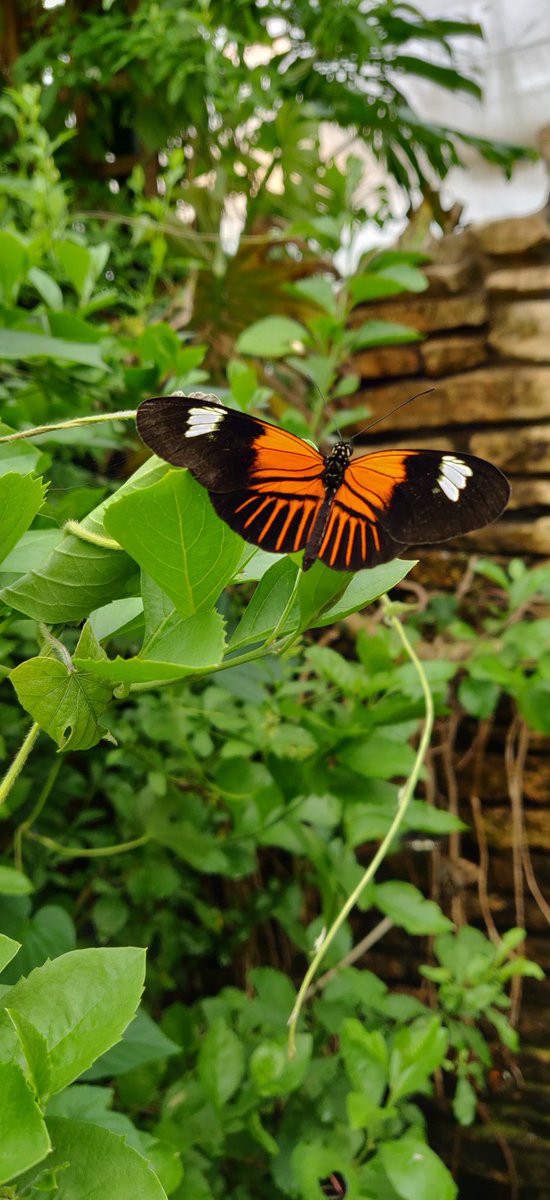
x: 278, y: 492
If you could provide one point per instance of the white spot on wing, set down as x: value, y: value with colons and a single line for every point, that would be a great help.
x: 454, y: 476
x: 450, y: 489
x: 203, y: 420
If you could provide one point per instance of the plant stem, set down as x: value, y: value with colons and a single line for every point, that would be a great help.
x: 27, y: 825
x: 74, y: 423
x: 405, y: 798
x: 286, y: 611
x: 18, y: 763
x: 92, y: 852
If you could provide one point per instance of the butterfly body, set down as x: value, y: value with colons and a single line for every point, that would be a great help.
x: 279, y: 492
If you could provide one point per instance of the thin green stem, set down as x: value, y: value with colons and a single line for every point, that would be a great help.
x: 18, y: 763
x: 92, y: 852
x: 27, y: 825
x: 285, y: 613
x: 97, y: 419
x: 405, y: 798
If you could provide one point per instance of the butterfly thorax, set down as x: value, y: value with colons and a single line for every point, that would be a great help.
x: 335, y: 465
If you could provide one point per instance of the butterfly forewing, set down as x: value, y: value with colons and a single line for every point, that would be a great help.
x: 426, y: 496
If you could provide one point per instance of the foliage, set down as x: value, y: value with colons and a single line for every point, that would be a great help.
x: 206, y: 750
x: 55, y: 1024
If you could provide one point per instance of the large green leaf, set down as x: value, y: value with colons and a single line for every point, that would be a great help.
x: 8, y: 950
x: 409, y: 908
x: 89, y: 1162
x: 80, y: 1003
x: 18, y: 344
x: 24, y: 1138
x: 272, y: 337
x: 175, y: 650
x: 142, y: 1042
x: 415, y: 1171
x: 13, y: 263
x: 267, y: 604
x: 78, y: 577
x: 21, y: 496
x: 14, y: 883
x: 20, y: 456
x: 172, y: 531
x: 363, y: 588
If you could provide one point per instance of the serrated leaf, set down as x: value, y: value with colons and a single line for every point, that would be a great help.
x: 80, y: 1003
x: 8, y: 949
x: 179, y: 649
x: 66, y: 702
x: 89, y: 1161
x: 24, y: 1138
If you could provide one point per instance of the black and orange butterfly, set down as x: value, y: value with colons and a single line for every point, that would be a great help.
x: 334, y: 1186
x: 280, y: 493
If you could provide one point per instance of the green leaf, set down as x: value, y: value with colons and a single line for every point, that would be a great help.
x: 179, y: 649
x: 89, y: 1161
x: 172, y: 531
x: 79, y: 577
x: 388, y: 281
x: 21, y: 497
x: 13, y: 264
x: 142, y: 1042
x: 415, y: 1171
x: 18, y: 344
x: 272, y: 337
x: 534, y: 704
x: 380, y: 333
x: 24, y: 1138
x: 47, y: 289
x: 408, y: 908
x: 48, y: 933
x: 80, y: 1003
x: 270, y: 597
x: 8, y: 950
x: 380, y: 757
x: 478, y: 696
x: 418, y: 1050
x: 273, y: 1073
x: 365, y: 1056
x: 66, y: 702
x: 464, y: 1101
x: 364, y: 587
x: 318, y: 288
x: 14, y: 883
x: 35, y: 1050
x: 221, y: 1062
x: 20, y: 456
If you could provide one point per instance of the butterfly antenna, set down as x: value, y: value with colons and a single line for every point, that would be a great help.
x: 325, y: 403
x: 410, y: 399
